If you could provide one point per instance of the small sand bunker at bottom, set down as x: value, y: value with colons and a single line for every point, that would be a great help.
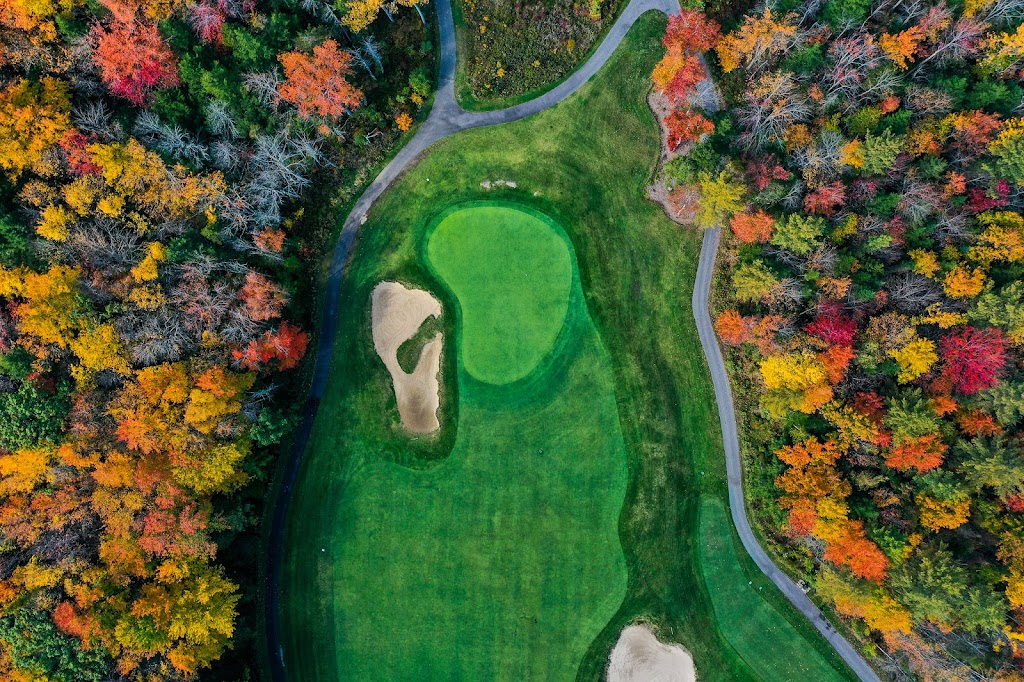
x: 397, y: 314
x: 638, y: 656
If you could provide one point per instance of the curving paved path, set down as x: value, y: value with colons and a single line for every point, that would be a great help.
x: 727, y: 416
x: 446, y: 118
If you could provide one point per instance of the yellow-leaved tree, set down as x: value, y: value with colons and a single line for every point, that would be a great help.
x: 33, y: 117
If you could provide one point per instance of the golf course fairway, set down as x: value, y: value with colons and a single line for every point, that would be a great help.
x: 561, y: 499
x: 509, y: 546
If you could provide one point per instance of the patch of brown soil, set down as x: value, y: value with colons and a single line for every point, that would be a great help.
x: 680, y: 203
x: 638, y: 656
x: 397, y: 314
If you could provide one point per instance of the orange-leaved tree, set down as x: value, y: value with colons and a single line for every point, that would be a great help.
x: 316, y: 84
x: 134, y: 60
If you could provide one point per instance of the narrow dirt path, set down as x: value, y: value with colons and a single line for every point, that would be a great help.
x: 446, y: 118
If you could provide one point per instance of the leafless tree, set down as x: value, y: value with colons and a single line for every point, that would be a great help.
x: 322, y: 10
x: 961, y: 41
x: 785, y: 256
x: 171, y: 140
x: 361, y: 60
x: 794, y: 199
x: 219, y: 120
x: 912, y: 293
x: 1004, y: 13
x: 953, y: 227
x: 822, y: 157
x: 925, y: 101
x: 93, y: 117
x: 791, y: 290
x: 224, y: 154
x: 879, y: 85
x: 919, y: 199
x: 104, y: 244
x: 237, y: 327
x: 774, y: 104
x: 264, y: 87
x: 204, y: 302
x: 156, y: 336
x: 371, y: 49
x: 824, y: 258
x: 275, y: 173
x: 850, y: 59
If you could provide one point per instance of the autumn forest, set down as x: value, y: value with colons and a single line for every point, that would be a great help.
x: 868, y: 171
x: 162, y: 249
x: 155, y: 304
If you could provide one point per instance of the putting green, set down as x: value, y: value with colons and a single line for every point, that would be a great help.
x: 511, y: 273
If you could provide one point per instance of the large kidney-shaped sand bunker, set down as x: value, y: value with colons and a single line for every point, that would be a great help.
x: 638, y: 656
x: 397, y: 314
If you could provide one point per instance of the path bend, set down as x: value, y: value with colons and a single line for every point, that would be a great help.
x: 446, y: 118
x: 734, y: 466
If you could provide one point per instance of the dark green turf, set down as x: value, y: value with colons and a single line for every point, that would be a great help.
x: 586, y: 164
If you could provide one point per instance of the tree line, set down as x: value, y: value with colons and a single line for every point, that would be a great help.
x: 157, y: 264
x: 869, y: 173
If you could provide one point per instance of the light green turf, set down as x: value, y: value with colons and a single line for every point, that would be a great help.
x: 418, y: 532
x: 743, y: 616
x: 511, y: 274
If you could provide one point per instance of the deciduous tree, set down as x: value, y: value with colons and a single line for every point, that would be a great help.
x: 33, y: 117
x: 973, y: 358
x: 316, y: 84
x: 134, y: 60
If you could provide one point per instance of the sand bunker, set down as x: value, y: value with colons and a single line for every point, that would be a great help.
x: 638, y: 656
x: 397, y: 315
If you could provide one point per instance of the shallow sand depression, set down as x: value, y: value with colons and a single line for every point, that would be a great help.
x: 397, y: 314
x: 638, y: 656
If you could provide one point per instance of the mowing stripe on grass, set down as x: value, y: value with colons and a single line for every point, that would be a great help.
x: 744, y: 616
x: 503, y: 561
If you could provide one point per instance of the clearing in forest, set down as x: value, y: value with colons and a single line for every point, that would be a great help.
x: 558, y: 502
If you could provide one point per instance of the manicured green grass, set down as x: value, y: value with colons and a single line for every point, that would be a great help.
x: 512, y: 276
x: 743, y: 616
x: 585, y: 163
x: 503, y: 561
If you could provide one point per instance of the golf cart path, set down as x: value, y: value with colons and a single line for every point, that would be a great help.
x: 446, y: 118
x: 734, y: 469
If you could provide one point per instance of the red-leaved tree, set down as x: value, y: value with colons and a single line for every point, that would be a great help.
x: 691, y: 31
x: 134, y: 60
x: 287, y: 346
x: 825, y: 200
x: 686, y: 126
x: 973, y: 358
x: 832, y: 326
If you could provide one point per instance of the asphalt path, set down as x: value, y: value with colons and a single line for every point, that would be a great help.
x: 734, y: 468
x: 446, y: 118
